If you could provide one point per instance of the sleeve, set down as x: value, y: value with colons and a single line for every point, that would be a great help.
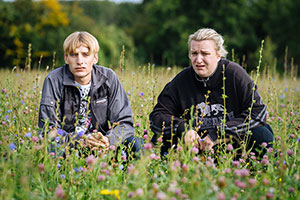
x: 119, y: 113
x: 165, y: 117
x: 48, y: 112
x: 253, y: 111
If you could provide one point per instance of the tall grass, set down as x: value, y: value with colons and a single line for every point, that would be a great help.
x: 29, y: 171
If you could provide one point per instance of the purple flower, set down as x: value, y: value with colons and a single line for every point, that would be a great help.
x: 34, y: 139
x: 76, y: 169
x: 80, y: 134
x: 90, y: 160
x: 290, y: 152
x: 9, y: 111
x: 22, y: 102
x: 229, y: 147
x: 142, y: 94
x: 58, y: 166
x: 148, y: 146
x: 4, y: 90
x: 101, y: 178
x: 62, y: 176
x: 60, y: 132
x: 28, y: 135
x: 12, y: 146
x: 59, y: 192
x: 195, y: 150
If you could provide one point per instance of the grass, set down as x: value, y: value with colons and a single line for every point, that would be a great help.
x: 29, y: 171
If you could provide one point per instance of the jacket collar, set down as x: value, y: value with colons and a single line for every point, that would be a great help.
x: 98, y: 78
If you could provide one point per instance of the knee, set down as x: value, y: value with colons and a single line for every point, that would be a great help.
x: 134, y: 144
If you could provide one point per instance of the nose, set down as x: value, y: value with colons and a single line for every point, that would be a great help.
x: 198, y: 58
x: 79, y: 59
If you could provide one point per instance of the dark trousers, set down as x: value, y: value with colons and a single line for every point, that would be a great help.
x: 260, y: 135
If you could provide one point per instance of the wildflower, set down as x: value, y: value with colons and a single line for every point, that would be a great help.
x: 28, y: 135
x: 145, y: 137
x: 221, y: 196
x: 103, y: 165
x: 270, y: 195
x: 291, y: 190
x: 4, y: 90
x: 270, y: 149
x: 145, y: 131
x: 60, y: 132
x: 155, y: 187
x: 141, y: 94
x: 235, y: 163
x: 59, y: 192
x: 76, y: 169
x: 291, y: 136
x: 9, y: 111
x: 195, y: 150
x: 12, y: 146
x: 290, y: 152
x: 228, y: 170
x: 90, y: 160
x: 160, y: 140
x: 184, y: 168
x: 221, y: 182
x: 161, y: 196
x: 101, y: 178
x: 148, y: 146
x: 265, y: 181
x: 264, y: 144
x: 131, y: 195
x: 41, y: 168
x: 240, y: 184
x: 299, y: 138
x: 229, y: 147
x: 112, y: 147
x: 179, y: 148
x: 62, y: 176
x: 139, y: 192
x: 34, y: 139
x: 196, y: 159
x: 265, y: 160
x: 252, y: 182
x: 58, y: 166
x: 153, y: 156
x: 137, y: 124
x: 111, y: 192
x: 80, y: 134
x: 22, y: 102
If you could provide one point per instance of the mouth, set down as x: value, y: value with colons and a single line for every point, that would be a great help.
x: 80, y: 68
x: 200, y: 66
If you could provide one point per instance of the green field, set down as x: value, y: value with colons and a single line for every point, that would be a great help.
x: 28, y: 171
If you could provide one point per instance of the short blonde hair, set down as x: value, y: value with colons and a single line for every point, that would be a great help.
x: 76, y: 39
x: 209, y: 34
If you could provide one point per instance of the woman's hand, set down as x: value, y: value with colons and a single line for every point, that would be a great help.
x: 97, y: 141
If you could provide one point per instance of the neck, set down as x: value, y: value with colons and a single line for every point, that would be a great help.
x: 84, y: 81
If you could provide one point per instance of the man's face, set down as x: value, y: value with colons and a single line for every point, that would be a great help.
x: 204, y: 57
x: 81, y: 64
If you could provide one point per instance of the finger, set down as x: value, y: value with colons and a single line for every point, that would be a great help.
x: 95, y: 144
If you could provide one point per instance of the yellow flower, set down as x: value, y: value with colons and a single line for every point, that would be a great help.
x: 111, y: 192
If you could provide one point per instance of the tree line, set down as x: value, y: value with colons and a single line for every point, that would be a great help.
x: 154, y: 31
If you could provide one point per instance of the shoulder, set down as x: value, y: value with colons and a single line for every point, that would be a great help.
x: 183, y: 76
x: 237, y: 72
x: 104, y: 71
x: 56, y: 74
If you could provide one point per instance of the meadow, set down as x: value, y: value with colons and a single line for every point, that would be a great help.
x: 29, y: 171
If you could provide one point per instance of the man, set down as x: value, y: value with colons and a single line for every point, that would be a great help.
x: 81, y: 98
x: 193, y: 104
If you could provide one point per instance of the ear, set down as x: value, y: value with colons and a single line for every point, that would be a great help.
x: 66, y: 58
x: 95, y: 58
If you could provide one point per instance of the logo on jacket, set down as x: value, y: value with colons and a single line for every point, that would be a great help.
x: 212, y: 114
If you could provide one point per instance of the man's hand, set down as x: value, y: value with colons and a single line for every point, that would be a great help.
x: 97, y: 141
x: 206, y: 143
x: 191, y: 137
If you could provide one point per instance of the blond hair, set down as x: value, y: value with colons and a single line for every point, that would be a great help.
x: 209, y: 34
x: 74, y: 40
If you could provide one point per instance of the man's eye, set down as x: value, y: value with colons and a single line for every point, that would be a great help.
x: 194, y: 53
x: 85, y: 54
x: 72, y: 54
